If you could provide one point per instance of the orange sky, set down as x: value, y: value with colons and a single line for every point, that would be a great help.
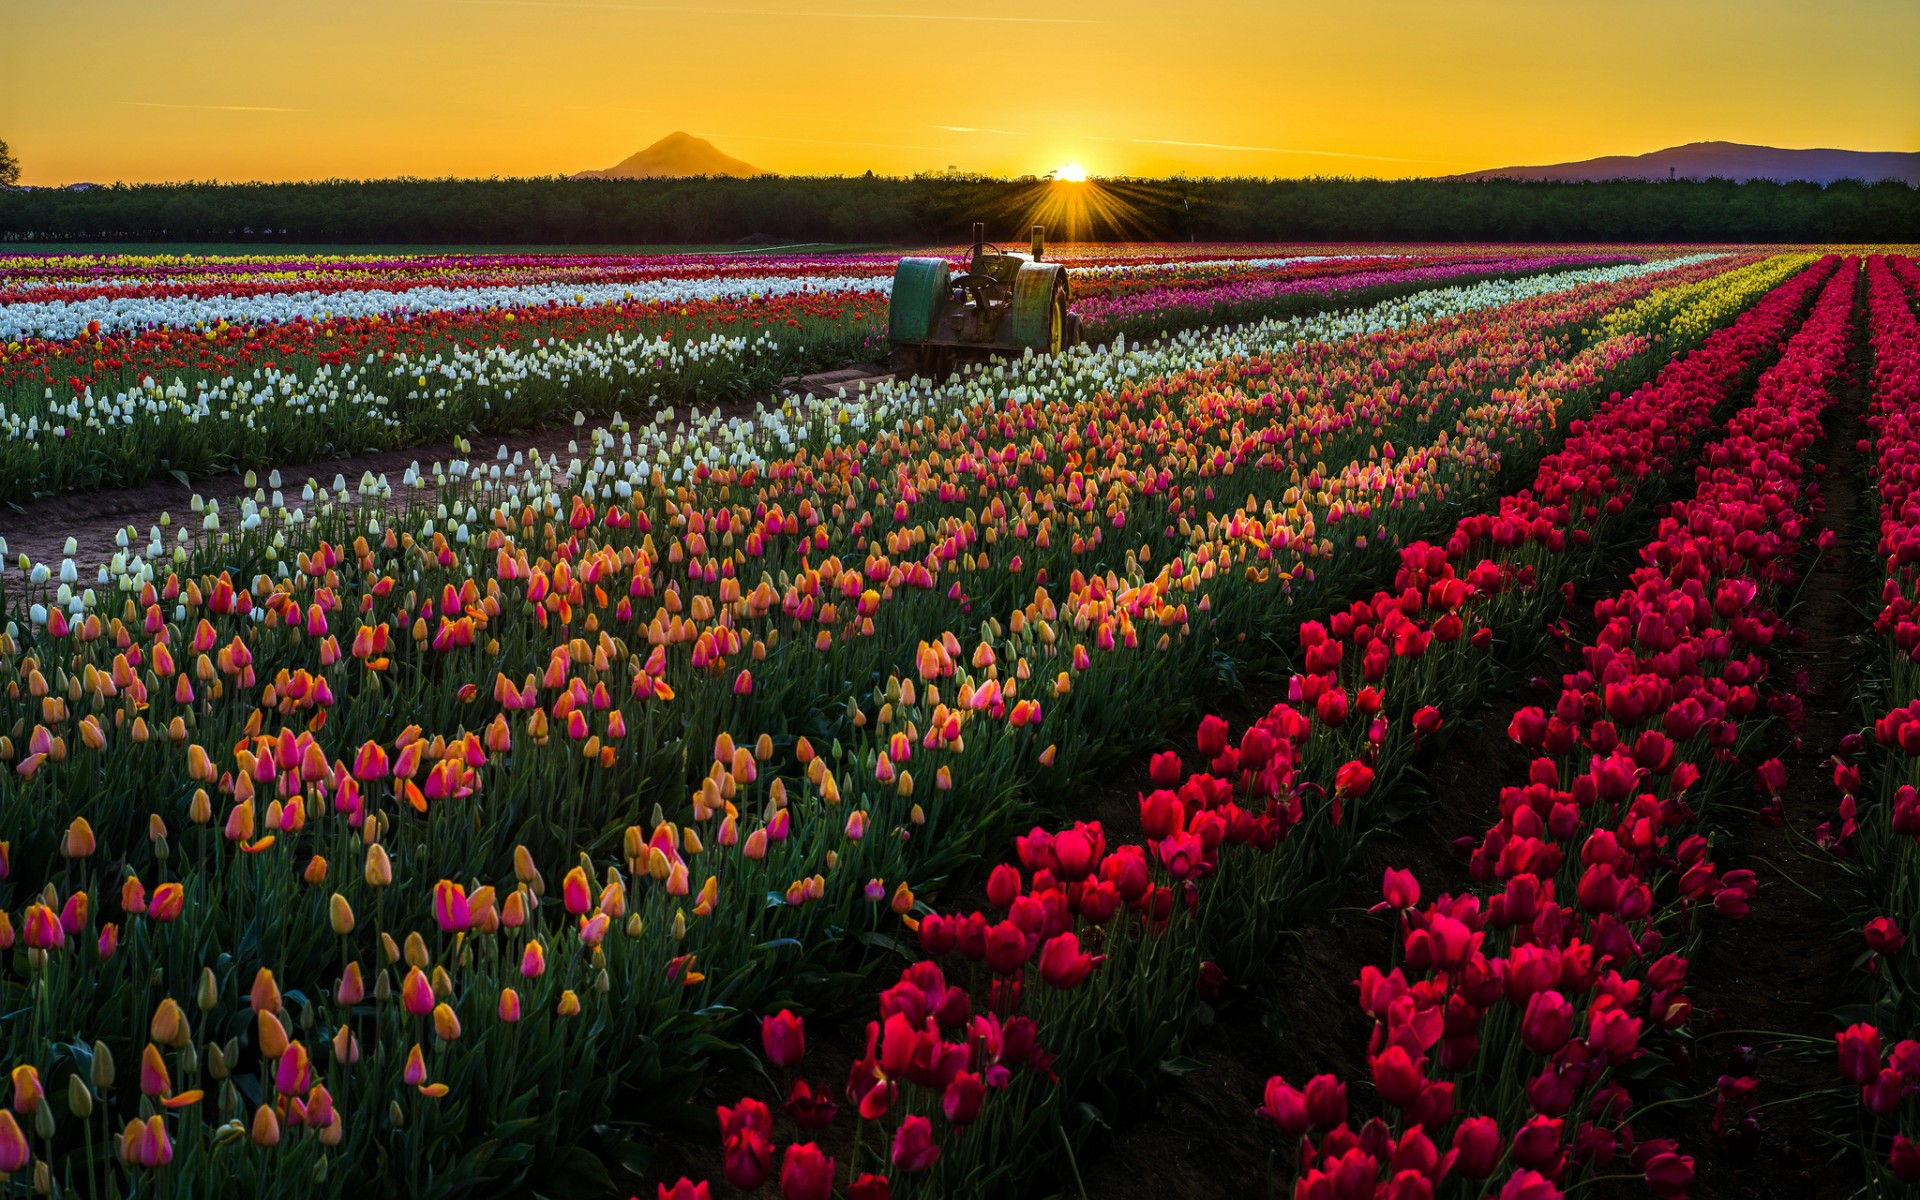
x: 104, y: 90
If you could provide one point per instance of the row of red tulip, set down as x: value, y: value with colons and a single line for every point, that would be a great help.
x: 1512, y: 1005
x: 1156, y: 908
x: 1878, y: 821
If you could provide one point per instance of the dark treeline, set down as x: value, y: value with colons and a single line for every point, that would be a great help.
x: 938, y: 208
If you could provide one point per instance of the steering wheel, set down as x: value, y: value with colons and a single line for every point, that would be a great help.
x: 977, y: 285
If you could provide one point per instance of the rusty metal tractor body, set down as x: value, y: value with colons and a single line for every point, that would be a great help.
x: 1003, y: 305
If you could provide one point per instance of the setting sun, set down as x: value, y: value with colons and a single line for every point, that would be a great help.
x: 1070, y: 173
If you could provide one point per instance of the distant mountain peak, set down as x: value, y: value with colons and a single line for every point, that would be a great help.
x: 1725, y: 160
x: 676, y: 156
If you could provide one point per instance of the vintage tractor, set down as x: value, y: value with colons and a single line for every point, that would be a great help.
x: 1004, y: 304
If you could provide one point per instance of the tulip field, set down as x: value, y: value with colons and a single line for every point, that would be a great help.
x: 715, y: 809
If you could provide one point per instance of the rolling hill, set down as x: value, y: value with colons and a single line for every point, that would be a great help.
x: 1725, y: 160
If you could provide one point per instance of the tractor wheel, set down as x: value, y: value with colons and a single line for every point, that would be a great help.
x: 1073, y: 329
x: 1038, y: 320
x: 920, y: 291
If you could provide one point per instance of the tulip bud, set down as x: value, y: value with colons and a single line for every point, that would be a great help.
x: 270, y: 1036
x: 79, y: 1099
x: 341, y: 914
x: 266, y: 1126
x: 207, y: 994
x: 379, y: 872
x: 78, y: 841
x: 346, y: 1047
x: 15, y: 1153
x: 265, y: 993
x: 169, y: 1025
x: 154, y: 1080
x: 27, y: 1091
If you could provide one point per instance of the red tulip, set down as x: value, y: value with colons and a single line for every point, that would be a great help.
x: 1548, y: 1022
x: 1399, y: 890
x: 1286, y: 1107
x: 1537, y: 1144
x: 876, y: 1099
x: 870, y: 1187
x: 1529, y: 1185
x: 1003, y: 885
x: 1326, y: 1102
x: 1331, y: 708
x: 1478, y: 1146
x: 1213, y: 736
x: 1161, y: 814
x: 1353, y: 779
x: 806, y: 1173
x: 1164, y: 768
x: 748, y: 1159
x: 810, y: 1109
x: 1884, y: 935
x: 1078, y: 851
x: 1397, y: 1077
x: 913, y: 1148
x: 1007, y: 950
x: 686, y: 1189
x: 748, y: 1116
x: 1905, y: 1159
x: 1859, y: 1046
x: 1064, y: 965
x: 1126, y: 869
x: 962, y: 1098
x: 785, y: 1039
x: 1881, y: 1095
x: 1669, y: 1174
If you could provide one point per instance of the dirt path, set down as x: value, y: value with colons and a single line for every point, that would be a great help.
x: 95, y: 519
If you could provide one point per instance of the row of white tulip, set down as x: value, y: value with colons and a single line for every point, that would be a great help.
x: 61, y: 319
x: 623, y: 457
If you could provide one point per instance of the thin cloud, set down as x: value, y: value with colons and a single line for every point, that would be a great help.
x: 781, y: 12
x: 213, y: 107
x: 974, y: 129
x: 1262, y: 149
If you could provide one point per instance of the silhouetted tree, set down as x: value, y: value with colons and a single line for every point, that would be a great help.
x: 939, y: 209
x: 9, y: 167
